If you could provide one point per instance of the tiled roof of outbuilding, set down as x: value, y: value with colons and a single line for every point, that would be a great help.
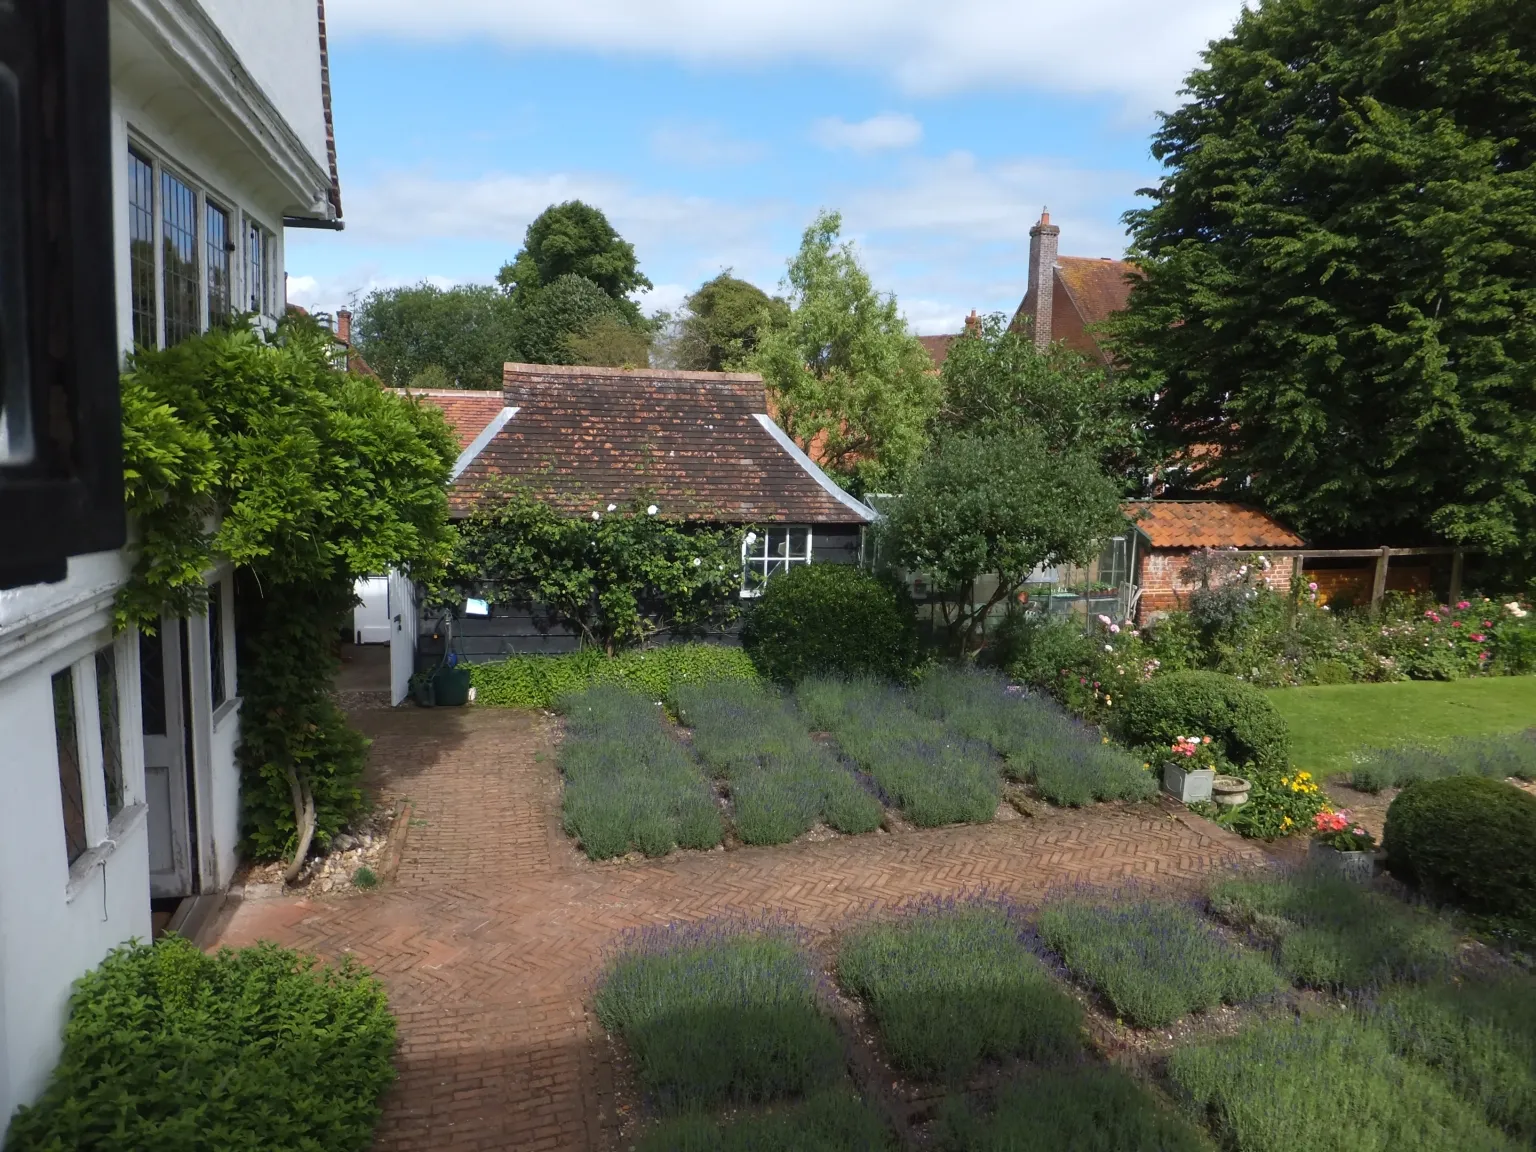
x: 1209, y: 524
x: 467, y: 412
x: 698, y: 443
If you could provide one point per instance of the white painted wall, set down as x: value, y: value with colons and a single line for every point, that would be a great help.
x: 57, y: 921
x: 279, y: 43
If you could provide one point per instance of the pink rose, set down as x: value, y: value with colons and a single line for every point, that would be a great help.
x: 1463, y: 605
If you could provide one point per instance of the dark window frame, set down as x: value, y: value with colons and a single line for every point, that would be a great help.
x: 66, y: 736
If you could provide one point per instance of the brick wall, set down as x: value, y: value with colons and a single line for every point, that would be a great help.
x: 1163, y: 589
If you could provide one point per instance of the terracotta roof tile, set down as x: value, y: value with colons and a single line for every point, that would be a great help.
x: 937, y: 347
x: 1209, y: 524
x: 468, y: 412
x: 584, y: 437
x: 1098, y: 287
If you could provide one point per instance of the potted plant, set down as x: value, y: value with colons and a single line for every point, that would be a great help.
x: 1191, y: 770
x: 1341, y: 846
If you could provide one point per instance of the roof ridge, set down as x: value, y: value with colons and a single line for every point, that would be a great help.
x: 514, y: 368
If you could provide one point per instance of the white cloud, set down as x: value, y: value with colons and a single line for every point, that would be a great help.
x: 1133, y: 49
x: 703, y: 146
x: 887, y: 130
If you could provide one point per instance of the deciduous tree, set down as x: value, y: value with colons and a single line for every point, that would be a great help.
x: 851, y: 385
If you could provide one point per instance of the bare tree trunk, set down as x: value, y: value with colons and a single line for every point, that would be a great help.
x: 304, y: 822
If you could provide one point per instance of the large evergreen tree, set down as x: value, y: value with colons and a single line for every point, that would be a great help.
x: 1340, y: 288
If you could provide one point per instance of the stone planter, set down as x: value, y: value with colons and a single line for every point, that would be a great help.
x: 1230, y: 791
x: 1188, y: 786
x: 1358, y: 867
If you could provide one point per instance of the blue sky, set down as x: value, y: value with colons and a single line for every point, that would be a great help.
x: 711, y: 131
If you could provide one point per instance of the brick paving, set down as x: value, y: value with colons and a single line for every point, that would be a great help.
x: 492, y: 932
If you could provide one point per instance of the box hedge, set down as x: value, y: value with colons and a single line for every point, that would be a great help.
x: 258, y: 1050
x: 1468, y: 841
x: 831, y: 620
x: 538, y: 681
x: 1233, y: 713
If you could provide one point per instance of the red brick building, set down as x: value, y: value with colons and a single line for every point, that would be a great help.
x: 1169, y: 532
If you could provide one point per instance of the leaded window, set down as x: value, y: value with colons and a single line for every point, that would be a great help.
x: 141, y: 250
x: 216, y: 229
x: 66, y: 733
x: 178, y: 222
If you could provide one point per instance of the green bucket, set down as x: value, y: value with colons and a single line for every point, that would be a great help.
x: 450, y: 687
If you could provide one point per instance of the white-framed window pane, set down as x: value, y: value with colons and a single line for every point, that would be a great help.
x: 216, y: 229
x: 141, y: 250
x: 768, y: 551
x: 66, y: 734
x: 178, y: 222
x: 256, y: 249
x: 109, y: 710
x: 216, y: 682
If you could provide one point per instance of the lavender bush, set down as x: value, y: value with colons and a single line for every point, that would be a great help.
x: 781, y: 780
x: 828, y: 1122
x: 1497, y: 757
x: 1152, y: 960
x: 628, y: 784
x: 1328, y: 933
x: 1070, y: 762
x: 933, y: 773
x: 1085, y: 1109
x: 719, y: 1012
x: 1480, y: 1035
x: 1321, y: 1085
x: 951, y: 984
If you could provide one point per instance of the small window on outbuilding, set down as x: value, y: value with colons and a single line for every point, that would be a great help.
x: 771, y: 550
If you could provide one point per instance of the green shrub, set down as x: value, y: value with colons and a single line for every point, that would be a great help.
x: 952, y: 985
x: 168, y: 1048
x: 1496, y: 757
x: 1325, y: 1084
x: 716, y: 1013
x: 1069, y: 762
x: 538, y: 681
x: 827, y: 1122
x: 1328, y: 933
x: 1480, y: 1036
x: 1236, y: 716
x: 1468, y: 841
x: 1153, y: 960
x: 831, y: 620
x: 932, y: 773
x: 781, y: 781
x: 1085, y: 1109
x: 628, y: 783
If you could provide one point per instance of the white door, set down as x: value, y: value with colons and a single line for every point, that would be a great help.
x: 402, y: 636
x: 165, y: 760
x: 370, y: 619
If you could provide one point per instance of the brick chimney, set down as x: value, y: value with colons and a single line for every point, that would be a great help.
x: 973, y: 323
x: 344, y: 325
x: 1044, y: 239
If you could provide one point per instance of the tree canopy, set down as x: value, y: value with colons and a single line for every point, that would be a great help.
x: 1339, y: 300
x: 720, y: 323
x: 997, y: 382
x: 574, y: 239
x: 996, y: 505
x: 851, y: 385
x: 459, y: 336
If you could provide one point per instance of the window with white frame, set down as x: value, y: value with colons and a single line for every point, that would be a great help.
x: 220, y: 665
x: 770, y: 550
x: 88, y: 737
x: 258, y: 271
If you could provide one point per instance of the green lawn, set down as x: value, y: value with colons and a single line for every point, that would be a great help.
x: 1329, y: 722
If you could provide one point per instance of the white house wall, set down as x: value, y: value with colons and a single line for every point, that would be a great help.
x: 57, y: 921
x: 279, y: 42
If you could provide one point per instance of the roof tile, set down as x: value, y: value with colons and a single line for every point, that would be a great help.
x: 1209, y: 524
x: 467, y: 412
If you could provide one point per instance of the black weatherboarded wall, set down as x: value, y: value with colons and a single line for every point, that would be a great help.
x: 513, y: 630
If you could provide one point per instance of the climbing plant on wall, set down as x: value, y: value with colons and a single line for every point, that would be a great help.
x: 255, y: 450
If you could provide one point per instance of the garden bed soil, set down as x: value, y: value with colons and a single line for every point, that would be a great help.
x: 366, y: 843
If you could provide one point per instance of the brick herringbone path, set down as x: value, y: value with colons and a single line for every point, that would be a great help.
x: 494, y: 928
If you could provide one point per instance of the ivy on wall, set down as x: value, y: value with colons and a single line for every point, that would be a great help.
x: 255, y: 450
x: 615, y: 575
